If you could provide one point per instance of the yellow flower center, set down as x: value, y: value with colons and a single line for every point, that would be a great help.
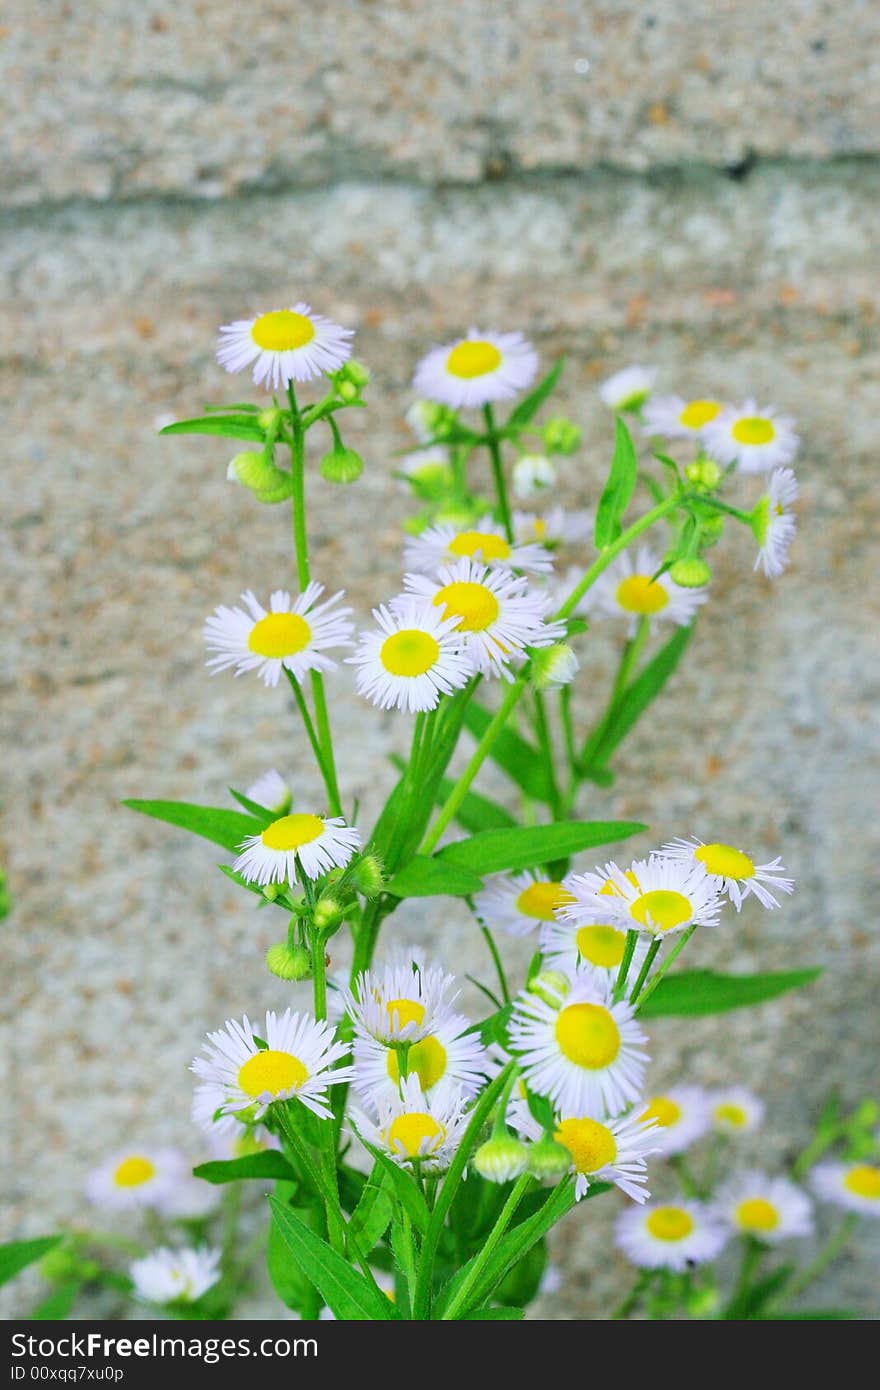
x: 279, y: 634
x: 272, y: 1072
x: 696, y: 414
x: 282, y: 331
x: 592, y: 1146
x: 725, y: 860
x: 661, y: 909
x: 601, y: 945
x: 753, y: 429
x: 291, y: 832
x: 641, y: 594
x: 475, y: 606
x: 134, y: 1171
x: 587, y: 1035
x: 541, y: 899
x: 609, y: 887
x: 426, y: 1058
x: 539, y: 528
x: 406, y: 1132
x: 475, y: 357
x: 410, y: 652
x: 662, y: 1110
x: 406, y: 1011
x: 757, y: 1214
x: 485, y: 543
x: 729, y: 1114
x: 864, y: 1181
x: 670, y: 1223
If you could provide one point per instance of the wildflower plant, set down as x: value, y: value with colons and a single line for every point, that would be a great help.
x: 365, y: 1111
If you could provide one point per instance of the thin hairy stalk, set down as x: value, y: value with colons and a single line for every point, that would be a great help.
x: 629, y: 947
x: 505, y: 1216
x: 494, y: 446
x: 677, y: 949
x: 650, y: 957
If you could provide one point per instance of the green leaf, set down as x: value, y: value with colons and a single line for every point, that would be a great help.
x: 699, y: 992
x: 372, y: 1216
x: 269, y: 1166
x: 227, y: 426
x: 254, y: 808
x: 531, y: 404
x: 403, y: 1185
x: 57, y: 1304
x: 350, y: 1295
x: 16, y: 1255
x: 236, y: 406
x: 289, y: 1279
x: 618, y: 489
x: 635, y: 700
x: 517, y: 757
x: 476, y: 812
x: 494, y: 1028
x: 814, y: 1315
x: 495, y: 1314
x: 222, y: 827
x: 541, y: 1110
x: 424, y: 877
x: 525, y: 847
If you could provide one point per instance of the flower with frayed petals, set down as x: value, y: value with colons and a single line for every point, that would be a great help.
x: 532, y: 475
x: 589, y: 946
x: 735, y: 1110
x: 295, y: 845
x: 585, y: 1056
x: 284, y: 345
x: 291, y: 636
x: 676, y: 418
x: 484, y: 542
x: 475, y: 370
x: 402, y: 1001
x: 271, y: 792
x: 754, y: 438
x: 610, y: 1151
x: 773, y: 525
x: 296, y: 1063
x: 517, y: 903
x: 681, y: 1115
x: 853, y: 1186
x: 175, y: 1276
x: 734, y: 872
x: 658, y: 896
x: 415, y: 1128
x: 769, y: 1209
x: 631, y: 588
x: 629, y: 388
x: 553, y: 528
x: 496, y: 618
x: 136, y: 1178
x: 447, y: 1058
x: 670, y: 1236
x: 412, y: 660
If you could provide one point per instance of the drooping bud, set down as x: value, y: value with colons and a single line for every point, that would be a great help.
x: 289, y: 962
x: 260, y: 476
x: 341, y: 466
x: 553, y: 667
x: 561, y: 436
x: 532, y: 475
x: 367, y: 877
x: 501, y: 1158
x: 548, y: 1160
x: 551, y: 986
x: 692, y: 573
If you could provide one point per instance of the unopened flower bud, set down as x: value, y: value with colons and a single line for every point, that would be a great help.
x: 703, y: 472
x: 367, y: 876
x: 269, y: 420
x: 60, y: 1265
x: 328, y: 911
x: 271, y: 891
x: 532, y: 474
x: 551, y: 986
x: 501, y: 1158
x: 690, y: 574
x: 352, y: 374
x: 341, y: 466
x: 561, y: 436
x: 347, y: 390
x: 548, y: 1160
x: 260, y: 476
x: 289, y: 962
x: 553, y: 667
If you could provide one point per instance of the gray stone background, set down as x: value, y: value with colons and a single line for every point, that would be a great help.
x: 681, y: 183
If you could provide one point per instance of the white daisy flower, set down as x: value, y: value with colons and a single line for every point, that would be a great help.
x: 853, y: 1186
x: 585, y: 1056
x: 591, y: 946
x: 429, y: 469
x: 292, y: 635
x: 496, y: 617
x: 613, y: 1151
x: 681, y: 1115
x: 271, y: 792
x: 404, y: 1000
x: 735, y: 1110
x: 658, y: 895
x: 532, y: 475
x: 628, y: 589
x: 770, y: 1209
x: 413, y: 1127
x: 448, y: 1058
x: 284, y: 345
x: 554, y: 527
x: 676, y: 418
x: 136, y: 1178
x: 629, y: 388
x: 773, y: 525
x: 754, y: 438
x: 296, y: 1063
x: 485, y: 543
x: 734, y: 872
x: 475, y: 370
x: 517, y: 903
x: 412, y: 660
x: 670, y: 1236
x: 295, y: 845
x: 175, y: 1276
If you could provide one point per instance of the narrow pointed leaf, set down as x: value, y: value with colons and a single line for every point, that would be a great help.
x: 222, y: 827
x: 349, y: 1294
x: 16, y: 1255
x: 635, y: 700
x: 226, y: 426
x: 424, y: 877
x: 519, y: 759
x: 531, y: 404
x: 700, y: 992
x: 494, y: 851
x: 270, y: 1166
x: 618, y: 489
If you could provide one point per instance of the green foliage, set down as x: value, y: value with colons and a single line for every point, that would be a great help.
x: 519, y: 759
x: 349, y: 1294
x: 618, y: 489
x: 530, y: 404
x: 16, y: 1255
x: 269, y: 1166
x: 700, y: 992
x: 493, y: 851
x: 227, y: 426
x: 631, y: 705
x: 222, y: 827
x: 426, y: 877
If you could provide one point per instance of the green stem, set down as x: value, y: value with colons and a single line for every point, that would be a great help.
x: 629, y: 948
x: 568, y: 728
x: 318, y: 1173
x: 818, y: 1145
x: 677, y: 949
x: 625, y: 1307
x: 720, y: 506
x: 751, y: 1258
x: 322, y: 719
x: 825, y: 1257
x: 650, y: 957
x: 319, y: 974
x: 498, y: 471
x: 688, y: 1183
x: 601, y: 563
x: 307, y: 721
x: 546, y: 743
x: 505, y: 1217
x: 499, y: 967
